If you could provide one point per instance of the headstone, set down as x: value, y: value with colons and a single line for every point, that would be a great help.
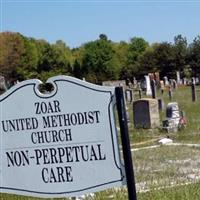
x: 153, y: 88
x: 148, y: 85
x: 139, y: 90
x: 193, y: 80
x: 184, y: 81
x: 162, y: 87
x: 178, y: 77
x: 174, y: 84
x: 165, y: 79
x: 173, y: 113
x: 193, y: 87
x: 197, y: 80
x: 170, y: 92
x: 129, y: 95
x: 128, y: 83
x: 134, y: 82
x: 146, y: 114
x: 161, y: 104
x: 171, y: 123
x: 115, y: 83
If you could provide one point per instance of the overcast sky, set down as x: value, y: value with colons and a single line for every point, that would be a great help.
x: 77, y: 22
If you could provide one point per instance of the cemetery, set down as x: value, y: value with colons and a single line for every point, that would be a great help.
x: 106, y: 120
x: 157, y: 166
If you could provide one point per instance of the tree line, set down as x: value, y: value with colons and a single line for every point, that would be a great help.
x: 99, y: 60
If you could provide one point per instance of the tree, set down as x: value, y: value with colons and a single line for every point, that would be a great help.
x: 165, y: 59
x: 99, y: 61
x: 77, y: 72
x: 148, y: 61
x: 180, y: 52
x: 121, y: 51
x: 11, y: 53
x: 194, y: 56
x: 136, y: 48
x: 62, y: 58
x: 29, y: 60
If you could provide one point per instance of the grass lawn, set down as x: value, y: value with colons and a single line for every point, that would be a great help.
x: 187, y: 192
x: 191, y: 134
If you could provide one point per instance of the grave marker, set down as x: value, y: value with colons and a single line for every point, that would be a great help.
x: 178, y: 77
x: 166, y: 82
x: 129, y: 95
x: 146, y: 114
x: 193, y: 87
x: 148, y: 85
x: 153, y: 89
x: 173, y: 117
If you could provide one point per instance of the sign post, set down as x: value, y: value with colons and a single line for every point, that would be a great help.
x: 61, y: 143
x: 125, y: 143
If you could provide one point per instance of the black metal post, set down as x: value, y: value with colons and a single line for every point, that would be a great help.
x: 140, y: 93
x: 170, y: 92
x: 125, y: 143
x: 153, y: 89
x: 194, y: 96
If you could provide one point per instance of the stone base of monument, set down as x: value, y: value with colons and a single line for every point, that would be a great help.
x: 170, y: 125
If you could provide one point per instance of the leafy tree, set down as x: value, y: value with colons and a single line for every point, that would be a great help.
x: 29, y: 60
x: 62, y: 58
x: 121, y: 51
x: 103, y: 37
x: 45, y: 55
x: 194, y: 56
x: 136, y: 47
x: 165, y: 59
x: 11, y: 53
x: 180, y: 52
x: 77, y: 72
x: 99, y: 61
x: 148, y: 61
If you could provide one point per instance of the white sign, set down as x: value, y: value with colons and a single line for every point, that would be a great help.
x: 59, y: 144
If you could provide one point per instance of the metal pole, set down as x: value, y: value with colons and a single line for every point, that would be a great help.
x: 194, y: 96
x: 140, y: 93
x: 153, y: 89
x: 170, y: 93
x: 125, y: 143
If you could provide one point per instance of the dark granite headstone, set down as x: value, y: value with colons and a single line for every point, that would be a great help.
x: 146, y: 114
x: 161, y: 104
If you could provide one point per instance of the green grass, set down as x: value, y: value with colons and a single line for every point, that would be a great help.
x: 187, y: 192
x: 166, y: 165
x: 191, y: 134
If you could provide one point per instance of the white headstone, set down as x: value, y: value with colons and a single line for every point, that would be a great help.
x: 178, y: 77
x: 148, y: 85
x: 173, y: 112
x: 166, y: 81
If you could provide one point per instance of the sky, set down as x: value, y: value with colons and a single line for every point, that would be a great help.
x: 79, y: 21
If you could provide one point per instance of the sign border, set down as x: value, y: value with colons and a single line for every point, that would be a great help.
x: 35, y: 83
